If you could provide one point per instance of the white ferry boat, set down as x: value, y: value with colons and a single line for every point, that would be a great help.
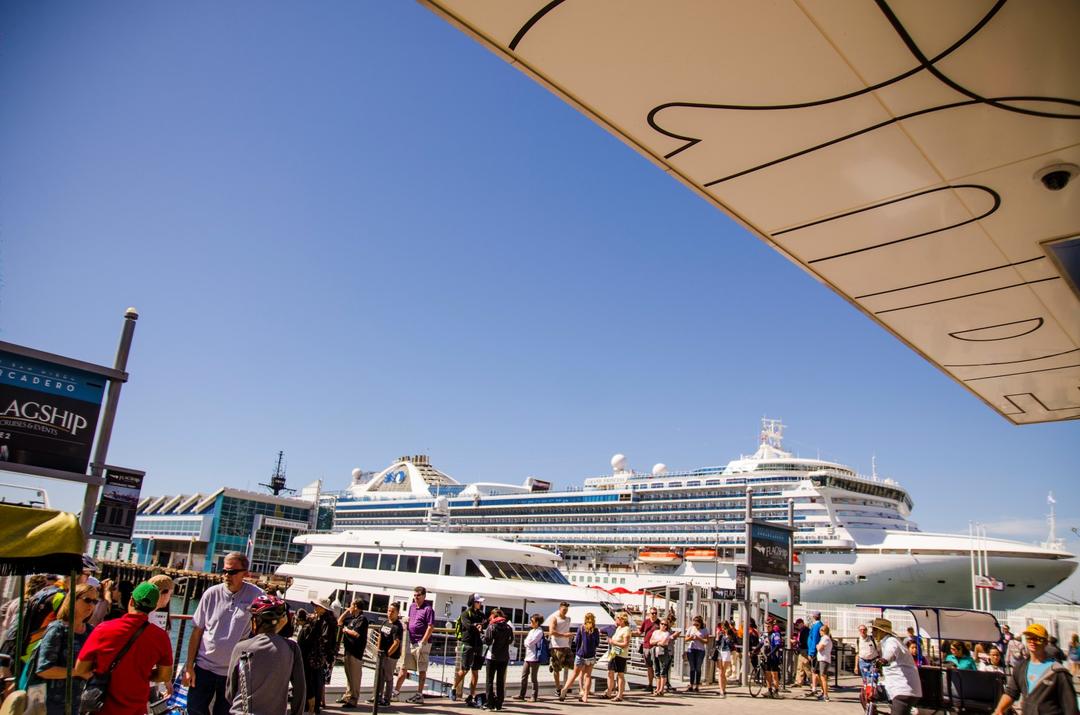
x: 854, y: 540
x: 380, y: 567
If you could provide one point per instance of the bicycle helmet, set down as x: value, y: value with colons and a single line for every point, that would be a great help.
x: 268, y: 607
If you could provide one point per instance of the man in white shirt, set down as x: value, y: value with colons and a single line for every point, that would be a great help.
x: 899, y: 675
x: 558, y: 625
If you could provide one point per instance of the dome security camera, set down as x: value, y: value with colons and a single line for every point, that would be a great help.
x: 1057, y: 176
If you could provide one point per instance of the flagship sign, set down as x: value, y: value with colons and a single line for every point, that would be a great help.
x: 770, y: 549
x: 115, y: 517
x: 48, y: 413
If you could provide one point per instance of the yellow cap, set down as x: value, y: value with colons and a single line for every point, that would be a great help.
x: 1037, y: 630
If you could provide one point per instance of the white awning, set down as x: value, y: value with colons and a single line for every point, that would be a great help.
x: 889, y: 149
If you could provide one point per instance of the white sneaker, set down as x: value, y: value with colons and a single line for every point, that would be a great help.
x: 396, y: 695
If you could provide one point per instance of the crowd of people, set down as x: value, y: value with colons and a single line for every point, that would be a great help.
x: 248, y: 652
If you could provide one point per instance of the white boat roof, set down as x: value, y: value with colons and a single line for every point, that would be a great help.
x: 890, y: 150
x: 436, y: 540
x: 871, y: 539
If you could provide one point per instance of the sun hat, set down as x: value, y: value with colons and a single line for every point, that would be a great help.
x: 145, y: 597
x: 323, y: 603
x: 1036, y: 629
x: 882, y: 624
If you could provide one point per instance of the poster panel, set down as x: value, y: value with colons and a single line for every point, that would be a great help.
x: 115, y: 518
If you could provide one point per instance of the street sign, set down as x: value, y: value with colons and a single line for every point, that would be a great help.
x: 115, y: 517
x: 48, y: 413
x: 770, y: 549
x: 742, y: 573
x: 724, y: 594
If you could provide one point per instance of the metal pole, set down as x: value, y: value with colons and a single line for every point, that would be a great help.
x: 68, y: 690
x: 788, y: 662
x: 746, y: 596
x: 986, y: 563
x: 112, y: 398
x: 971, y: 545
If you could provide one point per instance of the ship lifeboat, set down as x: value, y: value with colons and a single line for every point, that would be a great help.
x: 659, y: 556
x: 700, y: 555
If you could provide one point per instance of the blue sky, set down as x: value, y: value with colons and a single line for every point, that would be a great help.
x: 352, y: 233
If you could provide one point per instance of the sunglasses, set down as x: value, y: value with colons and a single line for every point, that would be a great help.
x: 1035, y: 639
x: 232, y: 572
x: 91, y: 601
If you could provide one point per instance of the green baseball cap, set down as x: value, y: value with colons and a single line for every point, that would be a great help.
x: 145, y: 596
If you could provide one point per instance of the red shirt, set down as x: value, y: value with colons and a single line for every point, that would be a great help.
x: 129, y: 687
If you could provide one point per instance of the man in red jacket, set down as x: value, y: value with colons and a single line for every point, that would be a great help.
x: 148, y: 659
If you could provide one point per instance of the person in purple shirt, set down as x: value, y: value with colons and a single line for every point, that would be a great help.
x: 421, y: 623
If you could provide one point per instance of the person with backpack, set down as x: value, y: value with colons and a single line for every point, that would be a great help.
x: 534, y: 642
x: 263, y: 667
x: 1043, y: 686
x: 46, y: 675
x: 469, y: 629
x: 130, y: 652
x: 498, y: 636
x: 774, y: 657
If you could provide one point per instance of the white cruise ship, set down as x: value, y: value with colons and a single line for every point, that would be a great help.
x: 854, y: 540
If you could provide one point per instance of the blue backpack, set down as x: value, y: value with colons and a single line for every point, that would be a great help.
x: 543, y: 651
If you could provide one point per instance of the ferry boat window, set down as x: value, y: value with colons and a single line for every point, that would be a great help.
x: 471, y: 569
x: 352, y: 560
x: 429, y: 564
x: 339, y: 561
x: 408, y: 563
x: 370, y: 561
x: 388, y: 562
x: 380, y: 602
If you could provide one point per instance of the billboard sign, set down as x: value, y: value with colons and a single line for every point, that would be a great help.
x: 48, y: 413
x: 115, y: 518
x: 742, y: 573
x: 770, y: 549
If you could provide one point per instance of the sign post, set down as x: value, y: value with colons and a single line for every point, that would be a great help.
x: 49, y: 412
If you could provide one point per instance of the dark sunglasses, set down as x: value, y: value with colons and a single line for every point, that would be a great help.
x: 91, y: 601
x: 233, y: 572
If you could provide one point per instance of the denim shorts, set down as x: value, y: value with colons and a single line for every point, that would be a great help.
x: 579, y: 661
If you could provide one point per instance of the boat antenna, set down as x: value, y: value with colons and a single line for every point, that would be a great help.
x: 277, y: 479
x: 1052, y: 542
x: 873, y: 467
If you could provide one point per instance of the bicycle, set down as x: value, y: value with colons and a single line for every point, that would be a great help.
x: 757, y: 673
x: 870, y: 694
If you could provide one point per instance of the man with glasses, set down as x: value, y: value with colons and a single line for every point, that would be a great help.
x: 220, y: 622
x: 1042, y: 685
x: 421, y: 623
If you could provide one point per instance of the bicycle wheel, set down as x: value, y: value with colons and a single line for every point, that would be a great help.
x: 757, y: 680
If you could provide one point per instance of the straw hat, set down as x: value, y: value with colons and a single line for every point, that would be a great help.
x: 882, y: 624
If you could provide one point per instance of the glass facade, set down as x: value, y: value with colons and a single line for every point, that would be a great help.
x: 273, y: 544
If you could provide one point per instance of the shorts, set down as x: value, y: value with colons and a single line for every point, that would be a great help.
x: 580, y: 662
x: 416, y: 656
x: 617, y: 664
x: 562, y: 659
x: 772, y: 666
x: 823, y: 667
x: 469, y: 658
x: 725, y: 656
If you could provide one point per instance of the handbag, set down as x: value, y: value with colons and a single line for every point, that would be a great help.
x: 97, y: 687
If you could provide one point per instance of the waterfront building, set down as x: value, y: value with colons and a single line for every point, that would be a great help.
x: 195, y: 531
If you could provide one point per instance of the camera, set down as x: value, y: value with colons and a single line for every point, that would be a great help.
x: 1057, y: 176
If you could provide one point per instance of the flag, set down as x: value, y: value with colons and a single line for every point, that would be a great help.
x: 1050, y: 498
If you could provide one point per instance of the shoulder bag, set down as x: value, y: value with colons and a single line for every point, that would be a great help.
x: 97, y: 687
